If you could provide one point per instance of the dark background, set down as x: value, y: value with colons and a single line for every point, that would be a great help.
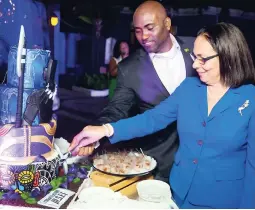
x: 117, y: 25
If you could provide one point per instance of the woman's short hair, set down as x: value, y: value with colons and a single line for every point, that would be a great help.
x: 236, y: 64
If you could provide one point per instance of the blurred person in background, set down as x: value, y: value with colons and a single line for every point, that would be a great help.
x: 120, y: 52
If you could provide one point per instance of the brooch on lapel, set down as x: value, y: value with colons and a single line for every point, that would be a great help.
x: 186, y: 50
x: 241, y: 108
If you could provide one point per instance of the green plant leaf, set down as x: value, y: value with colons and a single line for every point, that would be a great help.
x: 24, y: 195
x: 76, y: 180
x: 1, y: 194
x: 94, y: 81
x: 54, y: 188
x: 100, y: 77
x: 85, y: 19
x: 54, y: 183
x: 90, y: 82
x: 86, y: 166
x: 60, y: 180
x: 31, y: 201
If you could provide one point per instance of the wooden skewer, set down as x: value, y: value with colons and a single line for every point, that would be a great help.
x: 142, y: 151
x: 121, y: 180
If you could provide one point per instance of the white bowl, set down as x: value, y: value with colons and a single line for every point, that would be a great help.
x: 91, y: 194
x: 154, y: 191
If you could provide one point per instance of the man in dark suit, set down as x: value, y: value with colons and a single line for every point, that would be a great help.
x: 146, y: 78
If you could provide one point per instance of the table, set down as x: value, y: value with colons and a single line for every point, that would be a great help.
x: 125, y: 185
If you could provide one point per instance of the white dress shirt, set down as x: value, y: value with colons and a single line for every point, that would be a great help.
x: 170, y: 66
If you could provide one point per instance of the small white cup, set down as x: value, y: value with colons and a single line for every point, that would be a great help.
x: 154, y: 191
x: 95, y: 194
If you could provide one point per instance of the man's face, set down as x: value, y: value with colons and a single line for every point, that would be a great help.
x: 152, y: 32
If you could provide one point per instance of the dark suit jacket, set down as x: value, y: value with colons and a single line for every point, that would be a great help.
x: 139, y: 89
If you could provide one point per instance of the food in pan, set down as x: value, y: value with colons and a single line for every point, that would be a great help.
x: 125, y: 162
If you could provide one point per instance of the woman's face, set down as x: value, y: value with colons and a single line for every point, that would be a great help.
x: 124, y: 49
x: 206, y: 61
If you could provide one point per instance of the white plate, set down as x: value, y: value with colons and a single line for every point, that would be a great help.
x: 133, y: 172
x: 95, y: 193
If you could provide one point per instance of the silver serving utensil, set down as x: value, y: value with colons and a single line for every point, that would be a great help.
x: 67, y: 155
x: 64, y: 157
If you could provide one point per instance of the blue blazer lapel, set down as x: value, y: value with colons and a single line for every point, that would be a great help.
x: 202, y: 100
x: 231, y: 97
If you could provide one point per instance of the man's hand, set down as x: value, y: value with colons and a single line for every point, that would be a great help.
x: 88, y: 136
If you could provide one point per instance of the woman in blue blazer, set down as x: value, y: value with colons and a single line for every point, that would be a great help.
x: 215, y: 164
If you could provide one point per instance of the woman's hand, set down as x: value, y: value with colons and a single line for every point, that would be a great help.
x: 87, y: 150
x: 88, y: 136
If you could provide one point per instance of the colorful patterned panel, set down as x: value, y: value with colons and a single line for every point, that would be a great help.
x: 27, y: 177
x: 36, y: 62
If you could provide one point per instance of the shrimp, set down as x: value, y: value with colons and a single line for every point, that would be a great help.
x: 98, y: 161
x: 125, y: 162
x: 147, y: 164
x: 105, y: 168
